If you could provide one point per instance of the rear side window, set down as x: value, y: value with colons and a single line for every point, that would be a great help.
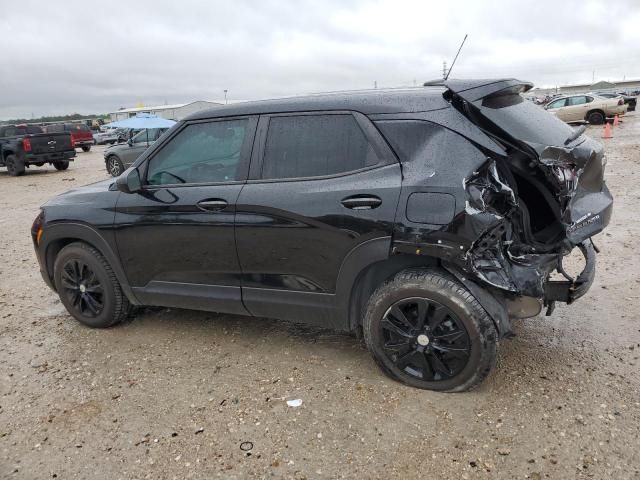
x: 70, y: 127
x: 55, y: 128
x: 315, y: 145
x: 410, y: 139
x: 576, y: 101
x: 525, y: 121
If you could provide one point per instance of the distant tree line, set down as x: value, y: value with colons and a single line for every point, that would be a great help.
x: 53, y: 118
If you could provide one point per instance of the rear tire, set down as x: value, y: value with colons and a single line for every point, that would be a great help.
x: 595, y: 118
x: 86, y: 148
x: 88, y: 288
x: 61, y: 165
x: 15, y: 166
x: 425, y: 329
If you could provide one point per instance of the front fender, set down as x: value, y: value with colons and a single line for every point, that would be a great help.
x: 53, y: 233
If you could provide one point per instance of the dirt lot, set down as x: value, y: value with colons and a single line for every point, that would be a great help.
x: 175, y: 393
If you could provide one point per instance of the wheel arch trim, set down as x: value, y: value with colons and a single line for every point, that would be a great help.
x: 80, y: 232
x: 494, y: 305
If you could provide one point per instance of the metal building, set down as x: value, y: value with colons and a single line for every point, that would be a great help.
x: 170, y: 112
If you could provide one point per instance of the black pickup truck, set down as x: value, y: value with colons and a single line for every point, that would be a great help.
x: 24, y: 145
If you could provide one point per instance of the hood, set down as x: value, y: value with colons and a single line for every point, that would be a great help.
x: 85, y: 194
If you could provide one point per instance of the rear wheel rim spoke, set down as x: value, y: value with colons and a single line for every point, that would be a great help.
x: 425, y: 339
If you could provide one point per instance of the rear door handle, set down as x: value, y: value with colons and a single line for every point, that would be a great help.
x: 212, y: 205
x: 361, y: 202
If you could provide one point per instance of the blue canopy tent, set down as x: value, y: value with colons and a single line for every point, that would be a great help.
x: 143, y: 121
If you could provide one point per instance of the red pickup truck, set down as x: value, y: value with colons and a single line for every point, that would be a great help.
x: 80, y: 133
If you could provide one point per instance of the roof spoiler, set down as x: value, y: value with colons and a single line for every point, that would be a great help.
x: 474, y: 90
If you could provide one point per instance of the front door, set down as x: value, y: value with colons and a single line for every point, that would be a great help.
x: 176, y: 237
x: 321, y: 188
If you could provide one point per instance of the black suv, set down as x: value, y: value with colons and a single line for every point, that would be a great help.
x: 425, y: 218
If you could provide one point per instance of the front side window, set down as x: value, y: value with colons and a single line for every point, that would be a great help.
x: 200, y: 153
x: 315, y: 145
x: 149, y: 135
x: 557, y: 103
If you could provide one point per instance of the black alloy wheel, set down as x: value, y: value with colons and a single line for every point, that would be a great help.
x: 82, y: 288
x: 425, y: 339
x: 425, y: 329
x: 88, y: 287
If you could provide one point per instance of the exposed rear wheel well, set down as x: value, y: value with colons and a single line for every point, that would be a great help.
x: 373, y: 276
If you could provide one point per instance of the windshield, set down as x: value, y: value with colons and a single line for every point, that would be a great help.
x: 524, y: 120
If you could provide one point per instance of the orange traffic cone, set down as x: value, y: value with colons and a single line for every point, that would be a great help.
x: 608, y: 132
x: 615, y: 121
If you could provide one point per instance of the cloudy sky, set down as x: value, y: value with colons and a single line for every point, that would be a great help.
x: 95, y: 56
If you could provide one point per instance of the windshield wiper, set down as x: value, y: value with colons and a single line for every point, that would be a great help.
x: 576, y: 133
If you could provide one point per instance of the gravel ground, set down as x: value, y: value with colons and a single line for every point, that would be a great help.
x: 183, y: 394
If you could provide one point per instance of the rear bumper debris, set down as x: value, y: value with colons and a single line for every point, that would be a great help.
x: 568, y: 291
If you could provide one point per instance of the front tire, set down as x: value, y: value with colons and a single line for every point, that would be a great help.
x: 114, y: 166
x: 15, y: 166
x: 88, y: 288
x: 425, y: 329
x: 86, y: 148
x: 61, y: 165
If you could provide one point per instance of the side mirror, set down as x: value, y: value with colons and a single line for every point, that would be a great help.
x: 130, y: 142
x: 129, y: 181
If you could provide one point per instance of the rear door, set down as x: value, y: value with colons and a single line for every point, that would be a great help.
x: 576, y: 109
x: 321, y: 184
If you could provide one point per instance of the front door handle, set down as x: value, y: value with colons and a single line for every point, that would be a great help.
x: 361, y: 202
x: 213, y: 204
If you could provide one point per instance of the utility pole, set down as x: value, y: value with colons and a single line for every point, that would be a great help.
x: 375, y: 84
x: 444, y: 69
x: 225, y: 96
x: 593, y: 77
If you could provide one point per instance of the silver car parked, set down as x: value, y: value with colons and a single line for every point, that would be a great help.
x: 120, y: 157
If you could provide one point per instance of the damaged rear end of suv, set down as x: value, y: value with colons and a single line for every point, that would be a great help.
x: 533, y: 191
x: 498, y: 193
x: 544, y: 197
